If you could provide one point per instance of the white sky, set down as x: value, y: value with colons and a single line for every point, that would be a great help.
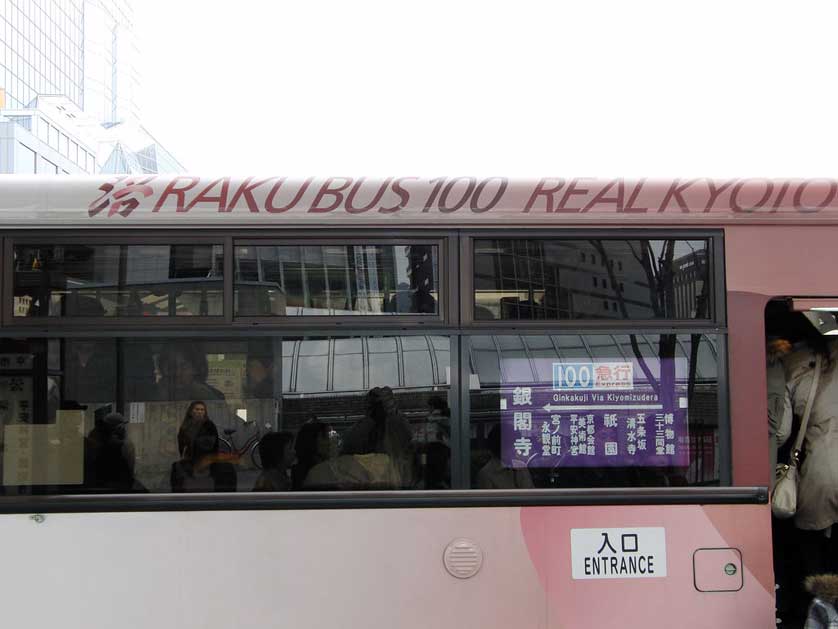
x: 603, y: 89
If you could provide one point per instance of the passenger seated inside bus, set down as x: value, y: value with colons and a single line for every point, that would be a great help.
x: 438, y: 422
x: 202, y: 468
x: 109, y: 457
x: 312, y: 447
x: 436, y: 466
x: 183, y: 374
x: 276, y: 451
x: 494, y: 475
x: 377, y: 451
x: 90, y: 370
x: 260, y: 381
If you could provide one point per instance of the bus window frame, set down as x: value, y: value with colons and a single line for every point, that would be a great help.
x: 714, y: 237
x: 86, y: 237
x: 444, y: 240
x: 455, y: 320
x: 722, y: 395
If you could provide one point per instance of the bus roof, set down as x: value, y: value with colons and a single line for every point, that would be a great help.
x: 258, y: 202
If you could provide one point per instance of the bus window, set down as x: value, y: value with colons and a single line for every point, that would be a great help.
x: 333, y: 280
x: 118, y: 280
x: 594, y: 410
x: 383, y: 401
x: 561, y: 279
x: 159, y: 415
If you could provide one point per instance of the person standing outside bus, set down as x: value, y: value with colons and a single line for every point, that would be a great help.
x: 817, y: 504
x: 779, y: 404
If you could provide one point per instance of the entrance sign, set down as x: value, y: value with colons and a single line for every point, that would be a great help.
x: 637, y: 553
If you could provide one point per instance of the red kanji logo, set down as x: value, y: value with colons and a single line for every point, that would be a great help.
x: 121, y: 195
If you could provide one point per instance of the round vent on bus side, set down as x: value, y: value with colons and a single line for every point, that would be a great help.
x: 463, y: 558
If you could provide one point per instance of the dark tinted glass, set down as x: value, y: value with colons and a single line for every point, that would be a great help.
x: 591, y: 279
x: 382, y: 401
x: 118, y: 280
x: 216, y: 415
x: 288, y: 280
x: 594, y: 411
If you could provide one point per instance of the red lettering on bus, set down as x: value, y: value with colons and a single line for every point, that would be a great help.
x: 404, y: 196
x: 443, y: 206
x: 781, y: 195
x: 570, y: 191
x: 350, y: 198
x: 674, y: 192
x: 629, y: 207
x: 475, y: 198
x: 269, y: 200
x: 600, y: 197
x: 715, y: 193
x: 801, y: 190
x: 737, y: 188
x: 541, y: 191
x: 245, y: 190
x: 204, y: 196
x: 327, y: 190
x: 179, y: 193
x: 121, y: 199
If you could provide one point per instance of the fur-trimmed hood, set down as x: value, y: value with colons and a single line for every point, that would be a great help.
x: 824, y: 586
x: 777, y: 349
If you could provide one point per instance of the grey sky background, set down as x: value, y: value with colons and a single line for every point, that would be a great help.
x: 601, y: 89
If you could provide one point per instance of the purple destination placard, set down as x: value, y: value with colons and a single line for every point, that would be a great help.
x: 597, y: 414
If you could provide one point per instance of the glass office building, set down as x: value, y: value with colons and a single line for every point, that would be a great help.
x: 41, y: 50
x: 83, y: 52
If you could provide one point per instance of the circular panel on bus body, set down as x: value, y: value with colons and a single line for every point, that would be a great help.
x: 463, y: 558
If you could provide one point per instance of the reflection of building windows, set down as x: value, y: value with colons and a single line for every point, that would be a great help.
x: 334, y: 280
x: 543, y: 279
x: 119, y: 280
x: 383, y: 360
x: 355, y: 364
x: 311, y: 372
x: 689, y: 276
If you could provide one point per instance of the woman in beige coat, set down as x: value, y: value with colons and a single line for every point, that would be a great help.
x: 817, y: 504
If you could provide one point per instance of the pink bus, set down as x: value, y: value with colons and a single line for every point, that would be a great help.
x: 401, y: 402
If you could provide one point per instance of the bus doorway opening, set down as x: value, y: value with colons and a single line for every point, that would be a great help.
x: 802, y: 352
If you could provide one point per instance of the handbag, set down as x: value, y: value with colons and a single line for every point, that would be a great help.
x: 784, y: 497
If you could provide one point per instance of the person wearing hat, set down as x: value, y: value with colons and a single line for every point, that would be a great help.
x: 109, y: 457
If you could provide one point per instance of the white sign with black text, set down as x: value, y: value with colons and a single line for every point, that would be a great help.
x: 638, y: 553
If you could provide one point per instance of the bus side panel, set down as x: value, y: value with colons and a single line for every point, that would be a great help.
x: 371, y: 569
x: 673, y: 600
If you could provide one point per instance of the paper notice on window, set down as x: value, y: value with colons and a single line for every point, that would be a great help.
x: 136, y: 412
x: 45, y: 454
x: 227, y: 375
